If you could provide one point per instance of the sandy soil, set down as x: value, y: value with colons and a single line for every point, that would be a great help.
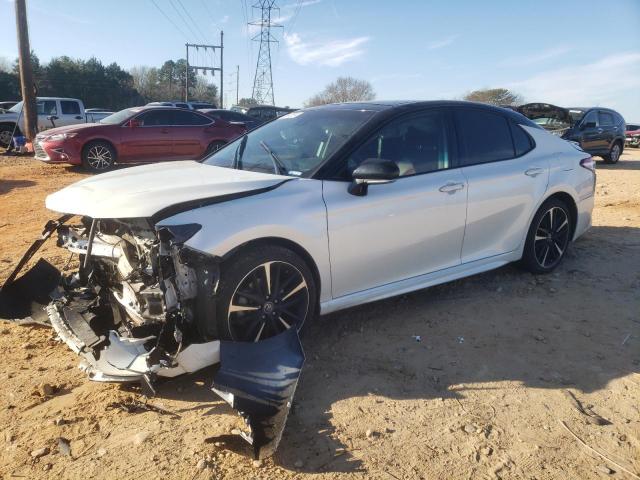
x: 484, y: 394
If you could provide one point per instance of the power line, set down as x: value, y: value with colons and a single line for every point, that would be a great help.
x: 195, y: 35
x: 204, y: 4
x: 204, y: 37
x: 295, y: 16
x: 169, y: 19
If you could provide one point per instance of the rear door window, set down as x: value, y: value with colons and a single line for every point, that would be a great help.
x: 69, y: 107
x: 183, y: 118
x: 485, y: 136
x: 606, y: 119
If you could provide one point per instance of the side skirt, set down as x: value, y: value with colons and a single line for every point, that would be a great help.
x: 418, y: 282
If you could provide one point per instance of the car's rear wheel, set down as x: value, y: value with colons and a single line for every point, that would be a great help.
x: 548, y: 237
x: 614, y: 153
x: 98, y: 156
x: 264, y: 292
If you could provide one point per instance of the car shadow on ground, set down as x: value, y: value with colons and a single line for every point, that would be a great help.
x: 556, y: 331
x: 7, y: 185
x: 623, y: 164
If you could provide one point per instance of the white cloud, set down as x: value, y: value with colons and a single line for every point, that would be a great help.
x: 524, y: 60
x: 303, y: 3
x: 332, y: 53
x: 395, y: 76
x: 607, y: 82
x: 443, y: 42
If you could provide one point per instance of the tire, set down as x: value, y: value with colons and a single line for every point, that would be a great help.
x: 614, y: 153
x: 6, y: 131
x: 214, y: 147
x: 98, y: 156
x: 249, y: 310
x: 545, y: 247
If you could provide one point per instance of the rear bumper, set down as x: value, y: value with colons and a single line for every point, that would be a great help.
x: 585, y: 211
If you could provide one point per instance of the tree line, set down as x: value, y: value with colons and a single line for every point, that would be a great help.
x: 110, y: 87
x: 114, y: 88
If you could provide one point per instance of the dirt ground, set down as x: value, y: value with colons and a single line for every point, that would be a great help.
x: 495, y: 387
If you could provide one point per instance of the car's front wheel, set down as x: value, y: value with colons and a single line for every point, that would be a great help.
x: 263, y: 292
x: 614, y: 153
x: 548, y: 237
x: 98, y: 156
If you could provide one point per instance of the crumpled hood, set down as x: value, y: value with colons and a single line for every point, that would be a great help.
x: 545, y: 110
x: 145, y: 190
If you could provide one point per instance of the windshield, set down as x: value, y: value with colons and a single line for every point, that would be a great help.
x: 118, y: 117
x: 16, y: 108
x: 294, y: 144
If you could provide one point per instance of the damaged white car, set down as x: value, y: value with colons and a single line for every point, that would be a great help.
x: 184, y: 264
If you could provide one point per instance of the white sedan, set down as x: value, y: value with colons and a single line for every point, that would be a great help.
x: 186, y: 264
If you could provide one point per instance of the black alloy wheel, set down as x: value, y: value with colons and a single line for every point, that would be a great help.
x: 548, y: 237
x: 264, y: 291
x: 552, y: 237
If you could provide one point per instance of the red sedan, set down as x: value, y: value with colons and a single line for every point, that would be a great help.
x: 136, y: 135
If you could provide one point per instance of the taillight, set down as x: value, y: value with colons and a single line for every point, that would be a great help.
x: 589, y: 163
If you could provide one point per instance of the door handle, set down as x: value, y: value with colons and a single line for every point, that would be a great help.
x: 599, y: 130
x: 78, y: 117
x: 451, y: 187
x: 534, y: 172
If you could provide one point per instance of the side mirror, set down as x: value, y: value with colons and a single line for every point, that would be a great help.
x: 135, y: 123
x: 372, y: 171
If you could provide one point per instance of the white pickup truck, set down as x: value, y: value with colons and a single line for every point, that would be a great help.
x: 52, y: 112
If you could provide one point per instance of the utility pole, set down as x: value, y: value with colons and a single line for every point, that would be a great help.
x: 263, y: 80
x: 186, y: 77
x: 221, y: 68
x: 26, y: 74
x: 205, y: 68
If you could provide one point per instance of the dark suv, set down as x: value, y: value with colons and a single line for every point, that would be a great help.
x: 599, y: 131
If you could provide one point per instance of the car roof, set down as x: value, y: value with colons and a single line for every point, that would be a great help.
x: 410, y: 105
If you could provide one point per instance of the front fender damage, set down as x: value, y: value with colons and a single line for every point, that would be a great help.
x: 257, y: 379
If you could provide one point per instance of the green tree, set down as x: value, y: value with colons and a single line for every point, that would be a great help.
x: 247, y: 102
x: 344, y: 89
x: 494, y: 96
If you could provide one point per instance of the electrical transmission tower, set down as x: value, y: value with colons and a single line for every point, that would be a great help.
x: 263, y: 81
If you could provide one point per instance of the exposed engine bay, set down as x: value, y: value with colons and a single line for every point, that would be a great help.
x: 141, y: 305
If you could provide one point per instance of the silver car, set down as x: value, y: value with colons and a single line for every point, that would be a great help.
x: 186, y: 264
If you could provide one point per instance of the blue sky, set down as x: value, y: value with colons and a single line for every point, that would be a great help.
x: 569, y: 52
